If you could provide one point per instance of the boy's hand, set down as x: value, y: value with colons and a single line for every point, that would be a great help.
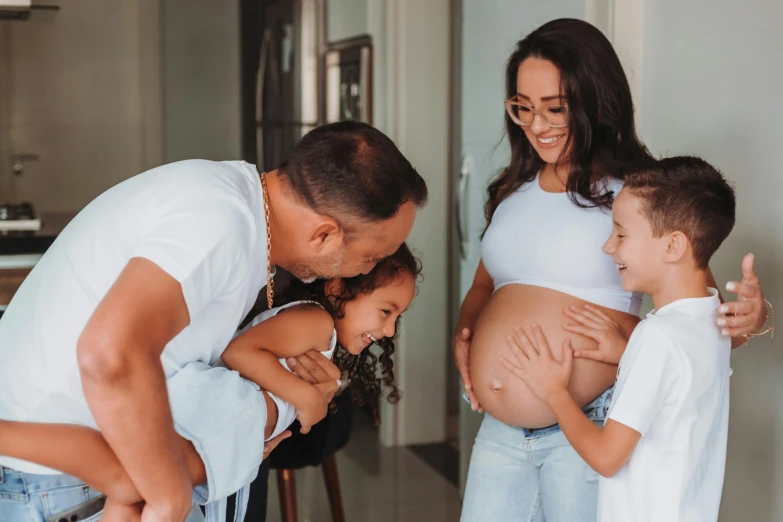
x: 596, y: 325
x: 535, y: 365
x: 313, y: 407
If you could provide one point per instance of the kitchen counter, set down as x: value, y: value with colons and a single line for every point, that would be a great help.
x: 37, y: 242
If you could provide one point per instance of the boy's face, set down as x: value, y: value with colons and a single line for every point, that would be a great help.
x: 639, y: 256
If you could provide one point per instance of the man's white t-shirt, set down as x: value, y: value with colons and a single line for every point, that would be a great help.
x: 200, y: 221
x: 673, y: 388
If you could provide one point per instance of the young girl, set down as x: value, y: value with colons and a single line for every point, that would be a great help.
x: 347, y: 315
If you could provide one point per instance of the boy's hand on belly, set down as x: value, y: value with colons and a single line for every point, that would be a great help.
x: 532, y: 361
x: 596, y: 325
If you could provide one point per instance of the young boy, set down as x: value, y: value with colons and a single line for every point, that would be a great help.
x: 662, y: 450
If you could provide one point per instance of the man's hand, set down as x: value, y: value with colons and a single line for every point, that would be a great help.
x: 313, y: 408
x: 314, y: 368
x: 270, y: 445
x: 594, y: 324
x: 544, y: 375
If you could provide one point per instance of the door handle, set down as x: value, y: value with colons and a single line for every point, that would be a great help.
x: 460, y: 206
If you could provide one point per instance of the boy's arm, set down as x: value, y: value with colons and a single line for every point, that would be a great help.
x: 645, y: 379
x: 606, y: 449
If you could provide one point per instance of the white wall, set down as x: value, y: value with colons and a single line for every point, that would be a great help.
x: 712, y: 84
x: 201, y: 75
x: 411, y: 54
x: 81, y: 88
x: 346, y: 19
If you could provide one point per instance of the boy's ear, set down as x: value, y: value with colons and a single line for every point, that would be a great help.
x: 676, y: 247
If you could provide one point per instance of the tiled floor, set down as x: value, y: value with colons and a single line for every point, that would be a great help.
x: 378, y: 485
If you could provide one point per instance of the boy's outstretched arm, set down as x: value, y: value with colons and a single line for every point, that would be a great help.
x: 606, y: 449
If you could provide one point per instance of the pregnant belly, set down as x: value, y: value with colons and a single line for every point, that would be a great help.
x: 503, y: 395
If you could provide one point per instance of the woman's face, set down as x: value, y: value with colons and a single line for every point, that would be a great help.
x: 538, y: 87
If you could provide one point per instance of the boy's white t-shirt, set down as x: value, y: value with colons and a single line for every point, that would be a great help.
x: 200, y: 221
x: 672, y: 388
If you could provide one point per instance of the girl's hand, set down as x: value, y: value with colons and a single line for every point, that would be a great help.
x: 535, y: 365
x: 748, y: 313
x: 594, y: 324
x: 272, y: 444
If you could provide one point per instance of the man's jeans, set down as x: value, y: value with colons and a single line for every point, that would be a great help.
x: 26, y: 497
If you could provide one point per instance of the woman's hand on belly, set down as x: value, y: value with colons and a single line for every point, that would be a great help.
x: 534, y: 364
x: 589, y: 321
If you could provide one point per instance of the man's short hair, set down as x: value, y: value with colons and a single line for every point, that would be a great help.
x: 686, y: 194
x: 353, y: 173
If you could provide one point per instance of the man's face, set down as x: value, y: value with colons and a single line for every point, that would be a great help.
x: 370, y: 244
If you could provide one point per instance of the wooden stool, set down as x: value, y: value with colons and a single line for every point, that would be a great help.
x: 286, y: 486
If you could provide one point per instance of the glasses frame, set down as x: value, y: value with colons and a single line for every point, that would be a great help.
x: 536, y: 112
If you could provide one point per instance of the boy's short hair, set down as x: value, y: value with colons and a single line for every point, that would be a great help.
x: 686, y: 194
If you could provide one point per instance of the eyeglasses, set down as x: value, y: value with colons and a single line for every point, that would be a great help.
x: 554, y: 115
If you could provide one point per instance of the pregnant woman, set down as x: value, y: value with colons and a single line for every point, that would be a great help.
x: 570, y: 124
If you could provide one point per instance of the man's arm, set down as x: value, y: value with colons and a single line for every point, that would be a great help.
x: 606, y: 449
x: 119, y: 358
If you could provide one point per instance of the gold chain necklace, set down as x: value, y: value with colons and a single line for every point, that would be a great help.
x: 270, y: 274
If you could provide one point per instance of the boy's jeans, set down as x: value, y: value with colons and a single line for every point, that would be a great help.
x: 520, y: 475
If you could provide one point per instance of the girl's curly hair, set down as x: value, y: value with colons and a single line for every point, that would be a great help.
x: 360, y: 370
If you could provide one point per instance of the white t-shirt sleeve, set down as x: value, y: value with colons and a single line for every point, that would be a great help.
x: 203, y: 243
x: 646, y: 375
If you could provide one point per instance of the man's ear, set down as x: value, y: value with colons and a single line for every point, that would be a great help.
x: 327, y: 236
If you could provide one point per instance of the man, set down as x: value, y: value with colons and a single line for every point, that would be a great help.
x: 158, y: 272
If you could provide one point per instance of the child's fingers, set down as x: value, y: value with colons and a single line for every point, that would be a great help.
x: 582, y: 317
x: 517, y: 370
x: 523, y: 341
x: 590, y: 333
x: 593, y: 354
x: 568, y: 354
x: 543, y: 346
x: 600, y: 313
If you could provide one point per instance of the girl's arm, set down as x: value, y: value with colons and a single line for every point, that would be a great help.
x: 255, y: 353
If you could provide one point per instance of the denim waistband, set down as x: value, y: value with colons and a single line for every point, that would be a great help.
x: 1, y: 474
x: 596, y: 411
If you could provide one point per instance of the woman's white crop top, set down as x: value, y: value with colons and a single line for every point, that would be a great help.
x: 543, y: 239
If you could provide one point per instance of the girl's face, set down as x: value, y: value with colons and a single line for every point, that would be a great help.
x: 538, y: 89
x: 371, y: 317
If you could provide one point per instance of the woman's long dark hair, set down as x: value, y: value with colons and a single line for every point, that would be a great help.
x: 602, y: 136
x: 361, y: 370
